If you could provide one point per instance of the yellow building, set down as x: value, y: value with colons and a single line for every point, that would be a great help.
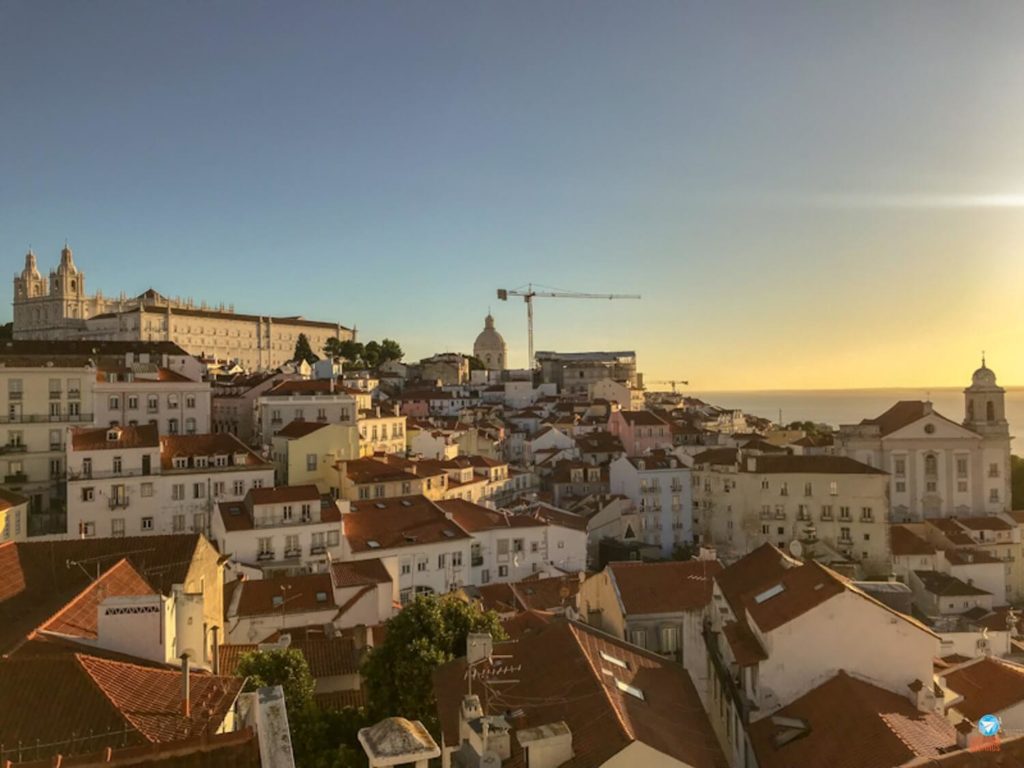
x: 305, y: 452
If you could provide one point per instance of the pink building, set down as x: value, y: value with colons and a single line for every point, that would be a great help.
x: 640, y: 431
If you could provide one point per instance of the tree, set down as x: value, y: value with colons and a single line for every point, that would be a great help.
x: 390, y: 350
x: 371, y: 354
x: 285, y: 667
x: 303, y: 351
x: 333, y: 347
x: 427, y: 633
x: 683, y: 551
x: 475, y: 363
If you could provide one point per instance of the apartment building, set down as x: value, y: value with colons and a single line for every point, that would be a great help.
x: 130, y: 481
x: 284, y: 530
x: 235, y: 401
x: 381, y: 432
x: 317, y: 400
x: 306, y: 451
x: 660, y: 488
x: 640, y: 431
x: 831, y: 504
x: 145, y: 393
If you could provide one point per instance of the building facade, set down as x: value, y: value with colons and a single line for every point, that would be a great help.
x: 60, y: 308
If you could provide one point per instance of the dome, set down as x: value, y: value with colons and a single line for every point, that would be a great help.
x: 984, y: 376
x: 490, y: 347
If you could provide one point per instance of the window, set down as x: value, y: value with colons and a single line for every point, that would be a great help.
x: 456, y: 559
x: 899, y: 467
x: 844, y: 534
x: 238, y: 487
x: 421, y: 564
x: 257, y: 483
x: 901, y: 486
x: 190, y: 401
x: 784, y: 490
x: 833, y: 488
x: 190, y: 426
x: 993, y: 470
x: 669, y: 639
x: 87, y: 529
x: 218, y: 488
x: 172, y: 401
x: 265, y: 545
x: 808, y: 489
x: 146, y: 489
x: 638, y: 637
x: 152, y: 404
x: 931, y: 465
x: 378, y: 491
x: 311, y: 462
x: 442, y: 560
x: 961, y: 486
x: 114, y: 403
x: 147, y: 523
x: 178, y: 492
x: 766, y: 530
x: 117, y: 465
x: 117, y: 526
x: 502, y: 571
x: 517, y: 545
x: 198, y: 490
x: 333, y: 537
x: 993, y: 495
x: 291, y: 545
x: 961, y: 466
x: 287, y: 511
x: 178, y: 523
x: 844, y: 513
x: 364, y: 492
x: 88, y: 494
x: 406, y: 569
x: 172, y: 426
x: 133, y: 402
x: 485, y: 575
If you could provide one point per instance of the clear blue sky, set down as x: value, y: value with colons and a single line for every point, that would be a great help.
x: 806, y: 194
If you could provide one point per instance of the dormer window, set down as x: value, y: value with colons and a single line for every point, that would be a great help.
x: 239, y: 459
x: 113, y: 435
x: 202, y: 461
x: 180, y: 462
x: 220, y: 461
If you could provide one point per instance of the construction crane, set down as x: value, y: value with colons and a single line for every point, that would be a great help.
x: 529, y: 295
x: 674, y: 383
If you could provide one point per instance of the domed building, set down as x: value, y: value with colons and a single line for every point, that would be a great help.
x: 490, y: 348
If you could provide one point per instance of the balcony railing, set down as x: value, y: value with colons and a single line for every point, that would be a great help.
x: 74, y: 394
x: 118, y: 502
x: 264, y: 556
x: 15, y: 395
x: 728, y: 681
x: 41, y: 418
x: 780, y: 515
x: 14, y: 448
x: 476, y: 562
x: 317, y: 549
x: 294, y: 552
x: 17, y: 477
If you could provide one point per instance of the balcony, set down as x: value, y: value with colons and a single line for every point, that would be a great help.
x: 476, y: 562
x: 317, y: 549
x: 14, y: 448
x: 118, y: 502
x: 74, y: 394
x: 729, y: 684
x: 766, y: 515
x: 294, y: 552
x: 780, y: 515
x: 265, y: 556
x: 867, y: 518
x: 15, y: 395
x: 826, y: 516
x: 16, y: 478
x: 40, y: 418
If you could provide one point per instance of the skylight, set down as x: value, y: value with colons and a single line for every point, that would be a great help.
x: 769, y: 593
x: 448, y: 534
x: 612, y: 660
x: 277, y: 601
x: 321, y: 597
x: 633, y: 691
x: 373, y: 544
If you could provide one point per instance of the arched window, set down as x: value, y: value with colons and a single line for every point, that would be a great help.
x: 931, y: 465
x: 990, y: 411
x: 970, y: 410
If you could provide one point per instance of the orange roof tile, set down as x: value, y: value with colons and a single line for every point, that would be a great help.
x: 297, y: 428
x: 111, y: 438
x: 79, y: 618
x: 646, y: 588
x: 399, y: 522
x: 988, y: 686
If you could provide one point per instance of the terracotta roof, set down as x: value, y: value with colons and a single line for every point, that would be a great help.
x: 234, y: 749
x: 213, y: 444
x: 79, y: 618
x: 61, y: 697
x: 400, y: 522
x: 10, y: 499
x: 832, y: 465
x: 944, y: 585
x: 642, y: 418
x: 36, y: 580
x: 599, y: 442
x: 851, y: 724
x: 99, y: 438
x: 898, y: 416
x: 497, y: 597
x: 358, y: 573
x: 474, y: 517
x: 548, y: 594
x: 555, y: 516
x: 339, y: 700
x: 746, y: 648
x: 162, y: 375
x: 307, y: 593
x: 905, y: 542
x: 988, y: 686
x: 326, y: 656
x: 560, y: 676
x: 952, y: 530
x: 283, y: 494
x: 717, y: 456
x: 645, y: 588
x: 526, y: 623
x: 985, y: 523
x: 370, y: 470
x: 297, y: 428
x: 307, y: 387
x: 970, y: 556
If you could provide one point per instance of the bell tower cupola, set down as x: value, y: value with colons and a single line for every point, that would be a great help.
x: 985, y: 403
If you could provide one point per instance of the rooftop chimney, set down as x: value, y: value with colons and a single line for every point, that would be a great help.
x: 186, y: 705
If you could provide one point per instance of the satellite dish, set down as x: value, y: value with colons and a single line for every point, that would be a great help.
x: 796, y: 549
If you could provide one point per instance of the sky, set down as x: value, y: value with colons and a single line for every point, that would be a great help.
x: 805, y: 194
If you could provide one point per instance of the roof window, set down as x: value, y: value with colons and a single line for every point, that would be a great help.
x: 769, y: 593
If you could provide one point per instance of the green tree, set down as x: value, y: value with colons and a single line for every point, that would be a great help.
x: 285, y: 667
x: 371, y: 354
x: 475, y: 363
x: 303, y: 351
x: 427, y: 633
x: 333, y: 347
x: 683, y: 552
x: 390, y: 350
x: 1017, y: 482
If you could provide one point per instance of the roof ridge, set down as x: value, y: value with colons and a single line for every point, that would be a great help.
x: 90, y: 587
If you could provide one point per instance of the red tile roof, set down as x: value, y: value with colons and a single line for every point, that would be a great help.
x: 905, y: 542
x: 643, y: 418
x: 359, y: 573
x: 297, y: 428
x: 985, y: 523
x: 326, y: 656
x: 851, y: 724
x: 646, y: 588
x: 99, y: 438
x: 307, y: 593
x: 988, y: 686
x: 831, y: 465
x: 474, y: 517
x: 79, y: 618
x: 284, y: 494
x: 559, y: 674
x: 400, y: 522
x: 214, y: 444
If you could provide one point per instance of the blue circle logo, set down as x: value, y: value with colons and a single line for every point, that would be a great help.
x: 988, y: 725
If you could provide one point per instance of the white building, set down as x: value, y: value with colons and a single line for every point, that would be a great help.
x: 660, y: 488
x: 131, y: 481
x: 289, y: 529
x: 145, y: 393
x: 316, y: 400
x: 940, y: 468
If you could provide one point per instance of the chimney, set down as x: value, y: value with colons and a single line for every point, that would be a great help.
x: 186, y: 705
x: 216, y: 650
x: 963, y: 731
